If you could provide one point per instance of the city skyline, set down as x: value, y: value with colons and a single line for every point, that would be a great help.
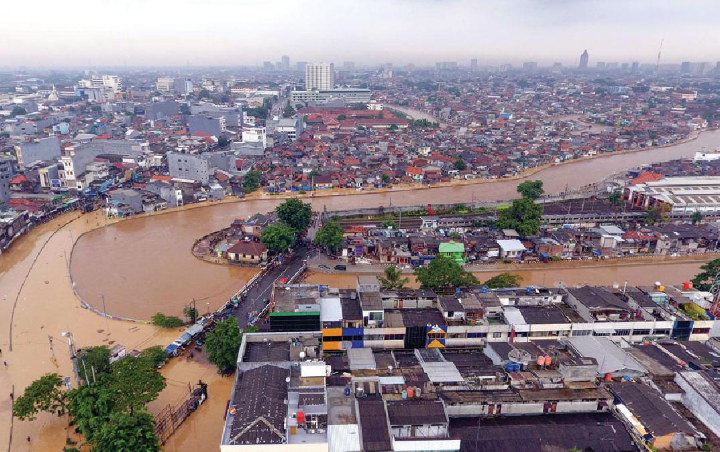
x: 189, y: 33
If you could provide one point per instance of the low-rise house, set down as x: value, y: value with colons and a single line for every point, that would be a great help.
x: 511, y: 249
x: 453, y: 250
x: 247, y: 252
x: 653, y: 418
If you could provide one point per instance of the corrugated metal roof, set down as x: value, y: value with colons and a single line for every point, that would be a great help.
x: 610, y: 357
x: 441, y: 372
x: 330, y: 309
x: 361, y: 358
x: 344, y: 438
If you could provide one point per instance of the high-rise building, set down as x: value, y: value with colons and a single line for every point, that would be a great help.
x: 473, y: 65
x: 686, y: 67
x: 349, y: 66
x: 446, y: 65
x: 285, y: 63
x: 6, y: 173
x: 530, y: 66
x: 183, y: 86
x: 584, y: 58
x: 319, y: 76
x: 634, y: 67
x: 300, y: 66
x: 165, y: 84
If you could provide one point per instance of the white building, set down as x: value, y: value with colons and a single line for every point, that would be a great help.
x: 511, y: 249
x: 346, y: 95
x: 165, y: 84
x: 294, y: 127
x: 706, y: 156
x: 254, y: 135
x: 682, y: 194
x: 319, y: 76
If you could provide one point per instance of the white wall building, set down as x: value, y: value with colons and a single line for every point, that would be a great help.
x: 319, y: 76
x: 165, y: 84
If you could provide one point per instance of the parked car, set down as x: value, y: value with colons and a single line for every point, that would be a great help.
x: 341, y: 267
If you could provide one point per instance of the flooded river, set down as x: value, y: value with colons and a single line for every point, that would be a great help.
x: 144, y: 265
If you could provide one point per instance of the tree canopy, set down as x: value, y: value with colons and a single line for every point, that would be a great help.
x: 704, y: 279
x: 503, y: 280
x: 330, y: 235
x: 656, y: 215
x: 191, y: 314
x: 18, y: 111
x: 531, y: 189
x: 112, y: 405
x: 389, y: 224
x: 696, y: 217
x: 444, y: 273
x: 44, y: 394
x: 223, y: 344
x: 460, y: 164
x: 154, y: 356
x: 288, y: 111
x: 166, y: 321
x: 127, y: 433
x: 392, y: 279
x: 134, y: 382
x: 295, y: 213
x: 97, y: 358
x: 90, y: 408
x: 251, y: 181
x: 523, y: 215
x: 278, y: 237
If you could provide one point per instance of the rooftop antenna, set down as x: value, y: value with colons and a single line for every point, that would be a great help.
x: 657, y: 65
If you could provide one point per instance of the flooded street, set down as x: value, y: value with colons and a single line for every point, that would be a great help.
x: 582, y: 273
x: 143, y: 265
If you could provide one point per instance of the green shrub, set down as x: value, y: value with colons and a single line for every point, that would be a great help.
x: 166, y: 321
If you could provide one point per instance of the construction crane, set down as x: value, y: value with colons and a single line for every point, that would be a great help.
x: 657, y: 65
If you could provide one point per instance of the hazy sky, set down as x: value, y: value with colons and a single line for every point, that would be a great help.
x: 248, y: 32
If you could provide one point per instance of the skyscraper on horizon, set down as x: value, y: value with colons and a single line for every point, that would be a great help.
x: 285, y: 63
x: 319, y: 76
x: 584, y: 59
x: 473, y: 65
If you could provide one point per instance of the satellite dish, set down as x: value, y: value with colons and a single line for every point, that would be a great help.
x: 519, y: 356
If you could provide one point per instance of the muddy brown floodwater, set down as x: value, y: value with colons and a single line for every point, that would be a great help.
x: 634, y: 274
x: 144, y: 265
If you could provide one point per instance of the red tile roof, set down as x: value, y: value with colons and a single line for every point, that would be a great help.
x: 19, y: 179
x: 646, y: 176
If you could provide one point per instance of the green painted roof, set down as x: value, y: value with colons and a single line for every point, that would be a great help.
x: 283, y: 314
x: 452, y: 247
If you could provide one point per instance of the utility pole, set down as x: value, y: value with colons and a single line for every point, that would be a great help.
x: 52, y: 351
x: 107, y: 322
x: 73, y: 354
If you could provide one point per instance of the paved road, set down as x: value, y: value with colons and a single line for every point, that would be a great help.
x: 254, y: 301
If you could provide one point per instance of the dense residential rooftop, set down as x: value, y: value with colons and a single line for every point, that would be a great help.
x: 404, y: 375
